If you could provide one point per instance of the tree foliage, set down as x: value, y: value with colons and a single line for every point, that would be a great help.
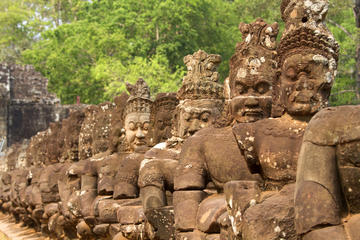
x: 341, y: 22
x: 91, y: 48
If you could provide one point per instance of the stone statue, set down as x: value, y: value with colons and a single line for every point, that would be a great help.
x: 252, y: 72
x: 109, y: 177
x: 308, y: 57
x: 161, y: 118
x: 327, y: 194
x: 308, y: 62
x: 201, y: 104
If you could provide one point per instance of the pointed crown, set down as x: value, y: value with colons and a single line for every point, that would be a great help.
x: 201, y: 81
x: 139, y: 100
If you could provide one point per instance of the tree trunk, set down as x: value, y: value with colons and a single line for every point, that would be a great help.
x: 357, y: 13
x: 357, y: 20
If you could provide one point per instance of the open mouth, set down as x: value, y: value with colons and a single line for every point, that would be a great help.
x: 253, y: 113
x: 140, y: 143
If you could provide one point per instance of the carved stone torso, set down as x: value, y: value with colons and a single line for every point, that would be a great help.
x: 271, y: 146
x: 218, y: 154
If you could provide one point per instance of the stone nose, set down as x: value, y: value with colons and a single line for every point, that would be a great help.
x: 304, y: 82
x: 140, y: 134
x: 194, y: 126
x: 251, y: 102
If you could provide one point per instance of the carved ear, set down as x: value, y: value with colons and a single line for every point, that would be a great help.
x: 275, y: 27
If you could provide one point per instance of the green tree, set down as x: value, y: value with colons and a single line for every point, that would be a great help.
x: 341, y: 22
x: 69, y: 54
x: 16, y: 32
x: 81, y: 46
x: 156, y: 72
x: 130, y: 32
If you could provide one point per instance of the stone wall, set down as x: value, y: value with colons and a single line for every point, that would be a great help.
x: 26, y: 107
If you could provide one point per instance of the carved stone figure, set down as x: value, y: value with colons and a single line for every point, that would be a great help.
x: 107, y: 179
x: 327, y: 202
x: 201, y: 104
x: 308, y: 67
x: 308, y: 62
x: 161, y: 118
x: 252, y: 72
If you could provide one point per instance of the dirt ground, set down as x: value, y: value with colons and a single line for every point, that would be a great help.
x: 9, y: 230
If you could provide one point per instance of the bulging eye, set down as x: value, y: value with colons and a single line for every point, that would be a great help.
x: 262, y: 87
x: 187, y: 116
x: 205, y: 117
x: 209, y: 66
x: 240, y: 88
x: 290, y: 73
x: 132, y: 126
x: 146, y: 126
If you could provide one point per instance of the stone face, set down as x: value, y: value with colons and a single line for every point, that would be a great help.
x: 201, y: 96
x: 95, y: 129
x: 161, y: 117
x: 253, y: 67
x: 317, y: 49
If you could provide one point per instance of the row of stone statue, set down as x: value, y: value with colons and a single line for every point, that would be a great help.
x: 246, y: 159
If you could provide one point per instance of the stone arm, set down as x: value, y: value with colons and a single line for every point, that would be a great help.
x: 191, y: 171
x: 245, y: 136
x: 156, y: 176
x: 126, y: 178
x: 189, y: 182
x: 319, y: 200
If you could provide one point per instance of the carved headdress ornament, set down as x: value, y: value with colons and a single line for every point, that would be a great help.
x: 167, y: 101
x: 139, y: 100
x: 163, y: 102
x: 305, y: 29
x: 255, y: 57
x: 201, y: 81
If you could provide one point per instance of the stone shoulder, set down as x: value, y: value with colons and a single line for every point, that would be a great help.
x: 334, y: 125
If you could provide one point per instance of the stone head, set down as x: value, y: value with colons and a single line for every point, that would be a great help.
x: 161, y: 117
x: 304, y: 13
x: 253, y: 69
x: 137, y: 115
x: 308, y: 55
x: 193, y: 115
x: 201, y: 96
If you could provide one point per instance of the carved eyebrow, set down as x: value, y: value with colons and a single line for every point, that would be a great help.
x: 262, y: 81
x: 206, y: 111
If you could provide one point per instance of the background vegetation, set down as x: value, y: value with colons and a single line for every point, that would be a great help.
x: 91, y: 48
